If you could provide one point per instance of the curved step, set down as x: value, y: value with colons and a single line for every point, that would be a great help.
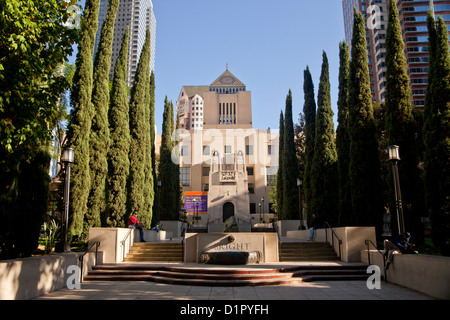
x: 225, y: 277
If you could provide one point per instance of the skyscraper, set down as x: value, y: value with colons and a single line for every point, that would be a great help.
x: 138, y: 15
x: 413, y: 21
x: 375, y: 14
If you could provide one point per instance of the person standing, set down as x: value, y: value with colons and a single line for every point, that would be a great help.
x: 314, y: 226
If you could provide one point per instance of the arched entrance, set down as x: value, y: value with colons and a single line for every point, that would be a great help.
x: 228, y: 211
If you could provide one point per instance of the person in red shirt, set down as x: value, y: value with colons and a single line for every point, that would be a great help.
x: 134, y: 223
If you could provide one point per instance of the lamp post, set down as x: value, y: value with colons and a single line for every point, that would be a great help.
x: 196, y: 211
x: 394, y: 157
x: 67, y: 158
x: 262, y: 205
x: 299, y: 185
x: 260, y: 217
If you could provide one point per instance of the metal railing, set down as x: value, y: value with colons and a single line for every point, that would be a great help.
x: 333, y: 235
x: 81, y: 258
x: 368, y: 243
x: 123, y: 242
x: 275, y: 228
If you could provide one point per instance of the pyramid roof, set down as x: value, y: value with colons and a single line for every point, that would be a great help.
x: 227, y: 79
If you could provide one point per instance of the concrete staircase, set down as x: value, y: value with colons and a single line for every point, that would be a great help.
x: 198, y: 276
x: 156, y: 251
x: 307, y: 251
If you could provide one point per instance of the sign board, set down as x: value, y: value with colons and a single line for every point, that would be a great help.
x: 193, y: 198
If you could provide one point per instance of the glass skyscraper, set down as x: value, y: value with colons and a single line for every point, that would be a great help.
x: 138, y: 15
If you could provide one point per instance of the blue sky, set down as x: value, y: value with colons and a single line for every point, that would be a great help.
x: 267, y: 44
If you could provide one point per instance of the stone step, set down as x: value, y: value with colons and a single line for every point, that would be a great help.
x: 266, y: 230
x: 155, y: 251
x: 153, y: 259
x: 226, y: 277
x: 156, y: 245
x: 158, y: 251
x: 309, y: 258
x: 306, y: 251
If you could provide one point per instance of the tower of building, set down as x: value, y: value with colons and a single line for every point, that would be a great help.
x: 228, y: 101
x: 138, y: 15
x: 226, y: 166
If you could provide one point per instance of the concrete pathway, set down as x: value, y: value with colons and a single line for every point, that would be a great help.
x: 321, y: 290
x: 327, y: 290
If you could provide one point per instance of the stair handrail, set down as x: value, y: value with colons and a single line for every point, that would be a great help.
x: 81, y: 258
x: 275, y: 228
x: 370, y: 242
x: 212, y: 221
x: 124, y: 241
x: 183, y: 228
x: 246, y: 221
x: 333, y: 234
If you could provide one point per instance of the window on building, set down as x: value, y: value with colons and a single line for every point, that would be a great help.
x: 205, y: 171
x: 184, y: 151
x: 185, y: 177
x: 206, y: 150
x: 252, y: 207
x: 251, y: 188
x: 205, y: 187
x: 270, y: 175
x: 249, y: 150
x: 227, y: 149
x: 250, y: 171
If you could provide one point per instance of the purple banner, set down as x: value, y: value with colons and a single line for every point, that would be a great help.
x: 192, y: 199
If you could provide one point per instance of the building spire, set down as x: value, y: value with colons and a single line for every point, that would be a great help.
x: 227, y: 62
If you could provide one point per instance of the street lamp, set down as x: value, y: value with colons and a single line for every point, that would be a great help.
x: 159, y: 199
x: 262, y: 205
x: 394, y: 157
x: 260, y: 217
x: 67, y: 158
x: 299, y: 185
x: 196, y: 211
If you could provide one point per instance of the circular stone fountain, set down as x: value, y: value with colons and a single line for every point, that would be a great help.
x: 230, y: 258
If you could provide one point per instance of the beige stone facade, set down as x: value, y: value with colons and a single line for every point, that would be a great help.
x: 222, y: 154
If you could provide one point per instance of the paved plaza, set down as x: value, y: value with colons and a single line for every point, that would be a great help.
x: 322, y: 290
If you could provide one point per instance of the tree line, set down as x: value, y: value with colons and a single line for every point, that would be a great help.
x: 345, y: 174
x: 111, y: 127
x: 113, y: 133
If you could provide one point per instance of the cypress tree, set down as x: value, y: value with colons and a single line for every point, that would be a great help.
x: 32, y: 202
x: 81, y: 118
x: 148, y: 168
x: 138, y: 126
x: 280, y: 170
x: 364, y: 166
x: 168, y: 197
x: 342, y: 137
x: 400, y: 126
x: 176, y: 168
x: 99, y: 136
x: 309, y: 111
x: 290, y: 166
x: 430, y: 138
x: 155, y: 212
x: 437, y: 139
x: 324, y: 180
x: 118, y: 154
